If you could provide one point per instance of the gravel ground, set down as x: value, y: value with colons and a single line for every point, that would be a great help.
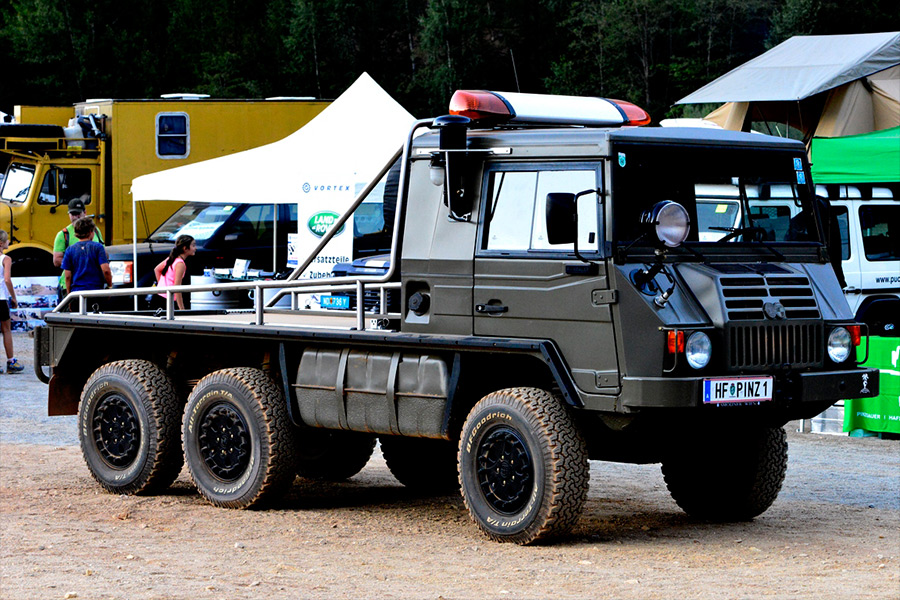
x: 834, y: 532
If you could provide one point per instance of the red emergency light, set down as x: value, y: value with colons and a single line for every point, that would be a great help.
x: 543, y: 109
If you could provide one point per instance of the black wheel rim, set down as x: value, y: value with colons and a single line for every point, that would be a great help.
x: 505, y: 470
x: 117, y: 431
x: 224, y: 442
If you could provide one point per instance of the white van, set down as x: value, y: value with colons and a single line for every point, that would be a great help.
x: 869, y: 218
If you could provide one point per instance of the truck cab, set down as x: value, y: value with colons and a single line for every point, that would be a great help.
x: 45, y: 169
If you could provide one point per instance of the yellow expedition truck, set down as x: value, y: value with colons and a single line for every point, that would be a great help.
x: 94, y: 149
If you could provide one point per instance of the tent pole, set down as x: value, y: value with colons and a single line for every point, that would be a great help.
x: 134, y: 269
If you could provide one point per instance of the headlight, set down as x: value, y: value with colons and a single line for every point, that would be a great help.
x: 671, y: 222
x: 698, y: 350
x: 121, y: 271
x: 839, y: 344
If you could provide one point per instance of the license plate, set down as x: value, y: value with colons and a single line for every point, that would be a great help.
x: 335, y: 302
x: 728, y: 390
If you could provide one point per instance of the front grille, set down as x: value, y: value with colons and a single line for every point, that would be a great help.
x: 765, y: 345
x: 745, y: 296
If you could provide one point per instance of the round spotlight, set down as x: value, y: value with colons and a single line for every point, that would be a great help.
x: 671, y: 222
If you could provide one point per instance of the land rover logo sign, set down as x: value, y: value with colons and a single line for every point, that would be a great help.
x: 321, y: 222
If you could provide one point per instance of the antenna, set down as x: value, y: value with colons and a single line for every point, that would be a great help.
x: 515, y: 73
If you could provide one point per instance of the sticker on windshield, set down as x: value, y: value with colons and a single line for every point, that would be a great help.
x: 621, y: 159
x: 721, y: 208
x: 801, y: 177
x: 798, y: 164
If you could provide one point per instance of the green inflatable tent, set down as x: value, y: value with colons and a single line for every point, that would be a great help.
x: 865, y: 158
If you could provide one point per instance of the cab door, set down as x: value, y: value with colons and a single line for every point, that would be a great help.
x: 525, y: 287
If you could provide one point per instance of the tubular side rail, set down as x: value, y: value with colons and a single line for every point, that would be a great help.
x: 295, y: 288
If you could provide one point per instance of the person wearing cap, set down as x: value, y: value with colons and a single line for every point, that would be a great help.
x: 85, y: 263
x: 66, y: 237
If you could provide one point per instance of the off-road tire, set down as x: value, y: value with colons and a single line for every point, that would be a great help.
x: 327, y: 455
x: 239, y: 443
x: 523, y: 466
x: 128, y: 426
x: 728, y: 477
x: 424, y: 465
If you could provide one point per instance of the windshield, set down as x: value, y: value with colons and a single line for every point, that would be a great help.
x: 733, y: 195
x: 18, y: 181
x: 195, y: 219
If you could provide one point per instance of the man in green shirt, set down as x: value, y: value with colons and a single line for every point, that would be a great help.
x: 66, y: 237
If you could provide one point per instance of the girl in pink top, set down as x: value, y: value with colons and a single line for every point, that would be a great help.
x: 171, y: 271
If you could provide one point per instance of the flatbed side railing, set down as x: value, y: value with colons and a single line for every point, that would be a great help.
x: 295, y: 288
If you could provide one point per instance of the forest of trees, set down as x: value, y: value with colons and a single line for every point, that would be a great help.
x: 651, y: 52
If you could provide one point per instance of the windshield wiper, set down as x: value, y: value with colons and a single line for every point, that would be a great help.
x: 757, y: 235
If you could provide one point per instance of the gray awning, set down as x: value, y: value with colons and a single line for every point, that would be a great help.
x: 802, y: 67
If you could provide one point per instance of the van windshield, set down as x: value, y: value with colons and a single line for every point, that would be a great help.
x: 197, y: 219
x: 735, y: 196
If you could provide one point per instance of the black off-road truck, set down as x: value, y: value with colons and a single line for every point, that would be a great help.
x: 572, y: 287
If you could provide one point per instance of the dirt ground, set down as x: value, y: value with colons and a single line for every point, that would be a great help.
x: 834, y: 532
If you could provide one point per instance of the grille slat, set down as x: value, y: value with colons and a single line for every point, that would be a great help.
x: 744, y: 296
x: 763, y: 345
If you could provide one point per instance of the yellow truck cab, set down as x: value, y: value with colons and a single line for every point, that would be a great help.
x: 94, y: 149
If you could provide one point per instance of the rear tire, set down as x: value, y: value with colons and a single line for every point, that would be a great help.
x: 239, y: 443
x: 424, y: 465
x: 328, y: 455
x: 128, y: 421
x: 523, y: 466
x: 731, y: 477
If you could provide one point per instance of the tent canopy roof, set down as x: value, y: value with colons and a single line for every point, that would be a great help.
x: 867, y: 158
x: 801, y: 67
x: 345, y: 146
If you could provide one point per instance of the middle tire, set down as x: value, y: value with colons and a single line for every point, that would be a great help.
x: 523, y: 466
x: 239, y: 443
x: 422, y: 464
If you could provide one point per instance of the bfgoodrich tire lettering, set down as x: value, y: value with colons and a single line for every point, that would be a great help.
x: 523, y: 466
x: 128, y: 422
x: 728, y: 477
x: 238, y: 442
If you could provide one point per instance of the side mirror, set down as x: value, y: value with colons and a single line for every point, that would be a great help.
x: 452, y: 142
x: 560, y: 214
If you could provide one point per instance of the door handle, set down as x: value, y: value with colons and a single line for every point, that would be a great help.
x: 852, y: 290
x: 490, y: 309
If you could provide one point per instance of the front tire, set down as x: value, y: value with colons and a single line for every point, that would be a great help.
x: 128, y: 421
x: 729, y: 477
x: 239, y: 443
x: 523, y: 466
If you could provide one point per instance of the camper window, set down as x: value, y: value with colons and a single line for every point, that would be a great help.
x: 173, y: 135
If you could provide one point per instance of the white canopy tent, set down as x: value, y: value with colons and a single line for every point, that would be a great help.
x: 329, y: 159
x: 349, y: 141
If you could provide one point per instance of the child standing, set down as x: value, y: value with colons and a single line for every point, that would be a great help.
x: 7, y: 301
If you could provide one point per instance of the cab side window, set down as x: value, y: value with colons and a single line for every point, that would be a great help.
x: 515, y: 207
x: 62, y: 185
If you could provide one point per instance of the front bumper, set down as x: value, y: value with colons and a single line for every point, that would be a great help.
x: 794, y: 392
